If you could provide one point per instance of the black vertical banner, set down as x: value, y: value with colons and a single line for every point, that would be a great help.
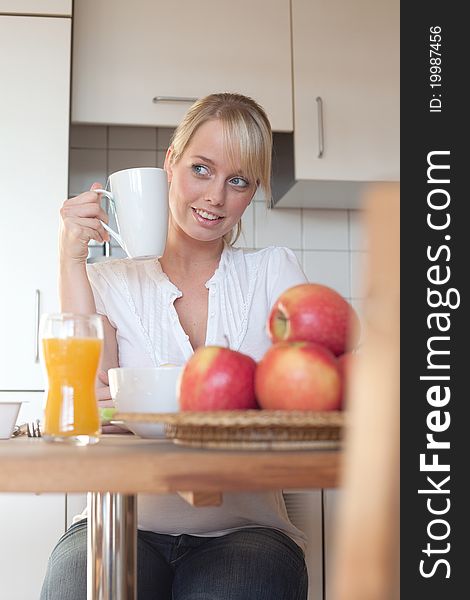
x: 435, y: 268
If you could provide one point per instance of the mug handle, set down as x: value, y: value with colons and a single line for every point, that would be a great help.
x: 113, y: 234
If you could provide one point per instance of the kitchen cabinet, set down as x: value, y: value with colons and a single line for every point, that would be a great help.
x: 314, y: 512
x: 127, y: 54
x: 34, y: 121
x: 331, y: 499
x: 76, y: 504
x: 37, y: 7
x: 304, y: 508
x: 30, y: 524
x: 346, y: 89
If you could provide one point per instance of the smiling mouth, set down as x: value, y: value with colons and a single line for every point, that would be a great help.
x: 206, y: 215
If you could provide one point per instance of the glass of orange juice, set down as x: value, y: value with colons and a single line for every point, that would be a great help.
x: 71, y: 351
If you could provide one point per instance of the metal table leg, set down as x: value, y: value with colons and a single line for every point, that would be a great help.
x: 112, y: 546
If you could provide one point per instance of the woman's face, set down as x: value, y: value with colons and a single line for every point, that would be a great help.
x: 207, y: 196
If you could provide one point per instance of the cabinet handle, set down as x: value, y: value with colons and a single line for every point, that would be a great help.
x: 37, y: 312
x: 172, y: 99
x: 320, y: 126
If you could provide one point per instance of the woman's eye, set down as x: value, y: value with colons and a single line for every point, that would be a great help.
x: 200, y: 170
x: 239, y: 182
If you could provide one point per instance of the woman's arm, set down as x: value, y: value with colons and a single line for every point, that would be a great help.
x: 80, y: 223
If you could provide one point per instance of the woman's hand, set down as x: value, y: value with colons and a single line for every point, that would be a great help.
x: 103, y: 392
x: 80, y: 223
x: 105, y: 401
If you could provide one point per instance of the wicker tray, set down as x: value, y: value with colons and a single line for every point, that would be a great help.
x: 253, y: 429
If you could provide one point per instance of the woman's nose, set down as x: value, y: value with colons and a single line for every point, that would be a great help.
x: 215, y: 194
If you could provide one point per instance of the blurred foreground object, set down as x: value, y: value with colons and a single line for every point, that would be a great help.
x: 366, y: 560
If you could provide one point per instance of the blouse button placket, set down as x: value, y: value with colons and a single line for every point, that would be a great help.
x: 178, y: 330
x: 212, y: 313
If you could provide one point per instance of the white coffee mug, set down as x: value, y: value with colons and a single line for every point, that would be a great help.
x: 139, y: 201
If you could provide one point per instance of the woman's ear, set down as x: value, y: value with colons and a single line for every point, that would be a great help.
x: 168, y: 163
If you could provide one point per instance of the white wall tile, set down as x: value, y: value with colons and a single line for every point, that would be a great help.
x: 300, y: 257
x: 247, y: 237
x: 259, y: 196
x: 127, y: 159
x: 160, y: 158
x: 357, y: 233
x: 358, y: 274
x: 328, y: 268
x: 132, y: 138
x: 325, y: 229
x: 86, y: 167
x: 88, y: 136
x: 164, y: 137
x: 277, y: 227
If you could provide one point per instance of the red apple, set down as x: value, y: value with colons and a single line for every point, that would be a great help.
x: 315, y: 313
x: 217, y: 378
x: 298, y: 376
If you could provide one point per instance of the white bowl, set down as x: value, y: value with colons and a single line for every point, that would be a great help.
x: 8, y: 415
x: 145, y: 390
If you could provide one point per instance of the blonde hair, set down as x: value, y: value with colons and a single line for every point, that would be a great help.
x: 247, y: 137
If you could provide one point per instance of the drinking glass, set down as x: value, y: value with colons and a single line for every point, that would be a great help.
x: 71, y: 351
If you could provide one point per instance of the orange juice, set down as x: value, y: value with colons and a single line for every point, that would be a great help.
x: 71, y: 403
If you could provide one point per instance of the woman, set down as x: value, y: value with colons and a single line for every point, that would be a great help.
x: 201, y: 291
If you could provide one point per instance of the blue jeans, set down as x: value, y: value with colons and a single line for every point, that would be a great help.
x: 249, y: 564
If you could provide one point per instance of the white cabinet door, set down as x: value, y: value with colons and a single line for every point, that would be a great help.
x: 30, y: 526
x: 305, y: 511
x: 331, y: 499
x: 347, y: 54
x: 34, y: 122
x: 127, y: 53
x: 76, y: 503
x: 37, y: 7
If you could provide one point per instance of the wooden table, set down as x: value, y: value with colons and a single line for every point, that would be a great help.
x: 120, y: 466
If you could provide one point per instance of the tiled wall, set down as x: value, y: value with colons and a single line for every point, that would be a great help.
x: 330, y: 244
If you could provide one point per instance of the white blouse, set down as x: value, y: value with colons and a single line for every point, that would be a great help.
x: 138, y: 299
